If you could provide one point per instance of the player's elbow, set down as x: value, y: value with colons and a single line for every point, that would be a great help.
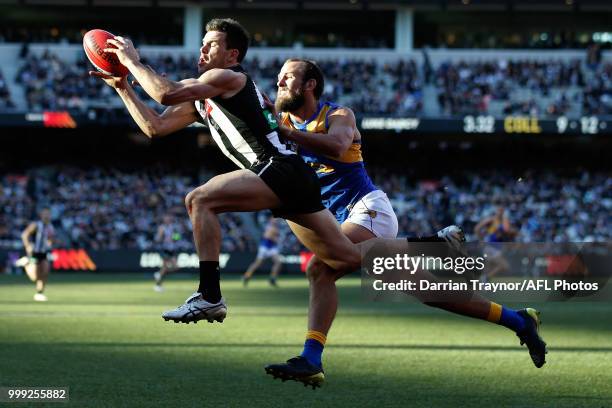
x: 338, y: 149
x: 151, y: 132
x: 174, y: 97
x: 176, y: 93
x: 335, y: 150
x: 167, y: 99
x: 154, y: 129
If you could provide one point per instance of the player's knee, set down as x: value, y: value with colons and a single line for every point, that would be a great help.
x: 316, y: 270
x: 188, y: 201
x: 200, y: 199
x: 350, y: 262
x: 319, y: 272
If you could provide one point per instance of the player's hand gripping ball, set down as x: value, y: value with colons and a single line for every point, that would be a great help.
x: 94, y: 43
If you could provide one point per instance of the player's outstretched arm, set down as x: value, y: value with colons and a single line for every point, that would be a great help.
x: 153, y: 124
x: 210, y: 84
x: 148, y: 120
x: 339, y: 137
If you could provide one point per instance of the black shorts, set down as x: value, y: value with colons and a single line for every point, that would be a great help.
x: 168, y: 254
x: 294, y: 182
x: 40, y: 256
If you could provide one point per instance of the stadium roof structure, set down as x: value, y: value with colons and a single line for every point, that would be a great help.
x: 465, y: 5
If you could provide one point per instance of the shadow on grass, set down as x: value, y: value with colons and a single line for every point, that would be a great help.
x: 143, y: 375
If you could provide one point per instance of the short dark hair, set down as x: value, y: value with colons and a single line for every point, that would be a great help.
x: 236, y: 36
x: 312, y: 71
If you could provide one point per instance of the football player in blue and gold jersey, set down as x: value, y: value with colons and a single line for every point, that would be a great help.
x: 326, y: 136
x: 494, y: 230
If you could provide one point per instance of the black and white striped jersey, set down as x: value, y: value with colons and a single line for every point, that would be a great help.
x: 243, y: 128
x: 167, y: 239
x: 44, y: 232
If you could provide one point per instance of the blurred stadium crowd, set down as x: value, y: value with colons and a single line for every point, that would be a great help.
x: 543, y: 205
x: 498, y: 87
x: 112, y: 208
x: 555, y: 37
x: 466, y: 88
x: 106, y: 208
x: 6, y: 103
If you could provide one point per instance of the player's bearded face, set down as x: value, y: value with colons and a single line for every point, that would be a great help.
x: 288, y: 100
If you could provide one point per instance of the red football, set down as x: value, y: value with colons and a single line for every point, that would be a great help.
x: 94, y: 43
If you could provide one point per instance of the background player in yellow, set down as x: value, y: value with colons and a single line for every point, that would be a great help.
x: 494, y: 230
x: 268, y: 248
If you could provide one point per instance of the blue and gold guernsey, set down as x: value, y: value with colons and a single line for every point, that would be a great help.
x: 344, y: 179
x: 496, y: 233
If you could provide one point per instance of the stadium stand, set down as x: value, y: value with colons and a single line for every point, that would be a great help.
x: 6, y: 103
x: 51, y: 83
x: 111, y: 208
x: 106, y: 208
x: 370, y: 86
x: 597, y: 99
x: 546, y: 206
x: 429, y: 83
x: 495, y: 87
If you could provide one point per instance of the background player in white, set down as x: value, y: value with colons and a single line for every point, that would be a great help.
x: 37, y: 251
x: 268, y: 248
x: 166, y: 238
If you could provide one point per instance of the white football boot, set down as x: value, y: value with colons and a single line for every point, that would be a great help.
x: 455, y: 237
x: 158, y: 287
x: 22, y: 262
x: 39, y: 297
x: 196, y: 308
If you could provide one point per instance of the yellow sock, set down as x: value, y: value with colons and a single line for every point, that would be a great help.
x: 494, y: 313
x: 315, y: 335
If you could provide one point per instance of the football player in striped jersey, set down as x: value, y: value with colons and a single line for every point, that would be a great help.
x: 36, y: 262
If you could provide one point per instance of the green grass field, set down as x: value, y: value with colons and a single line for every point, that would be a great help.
x: 102, y: 336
